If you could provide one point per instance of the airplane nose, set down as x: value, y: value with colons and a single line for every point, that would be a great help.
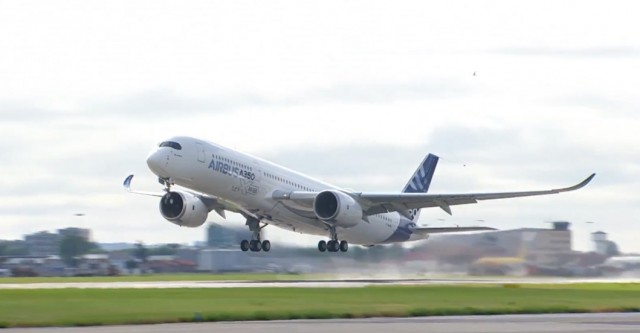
x: 156, y: 161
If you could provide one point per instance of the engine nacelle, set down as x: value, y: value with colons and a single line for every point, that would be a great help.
x: 337, y: 208
x: 183, y: 209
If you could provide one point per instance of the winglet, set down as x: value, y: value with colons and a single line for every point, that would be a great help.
x: 127, y: 183
x: 578, y: 186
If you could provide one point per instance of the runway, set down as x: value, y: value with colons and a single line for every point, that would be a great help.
x: 322, y: 283
x: 552, y: 323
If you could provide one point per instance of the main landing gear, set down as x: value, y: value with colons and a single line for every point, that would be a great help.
x: 333, y: 245
x: 255, y: 244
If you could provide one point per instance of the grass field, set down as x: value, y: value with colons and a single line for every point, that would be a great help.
x: 77, y: 307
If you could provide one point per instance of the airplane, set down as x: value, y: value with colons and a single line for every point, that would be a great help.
x: 215, y: 178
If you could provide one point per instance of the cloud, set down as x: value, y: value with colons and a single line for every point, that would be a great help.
x: 157, y: 104
x: 383, y: 92
x: 539, y: 154
x: 596, y: 52
x: 169, y: 104
x: 22, y: 111
x: 517, y: 154
x: 349, y: 100
x: 611, y: 106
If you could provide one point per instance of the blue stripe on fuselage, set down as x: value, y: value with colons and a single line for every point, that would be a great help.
x: 402, y: 233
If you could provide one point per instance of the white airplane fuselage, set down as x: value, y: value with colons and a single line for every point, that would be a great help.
x: 250, y: 182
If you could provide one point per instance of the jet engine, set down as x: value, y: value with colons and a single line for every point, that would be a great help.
x: 337, y: 208
x: 184, y: 209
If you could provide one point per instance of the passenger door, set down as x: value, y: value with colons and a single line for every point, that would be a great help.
x: 200, y: 149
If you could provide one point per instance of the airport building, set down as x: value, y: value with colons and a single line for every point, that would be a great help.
x: 222, y: 237
x: 42, y: 243
x: 78, y: 232
x: 545, y: 246
x: 540, y: 245
x: 603, y: 245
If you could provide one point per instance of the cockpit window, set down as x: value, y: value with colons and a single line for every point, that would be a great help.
x: 171, y: 144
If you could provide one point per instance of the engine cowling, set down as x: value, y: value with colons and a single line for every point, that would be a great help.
x: 337, y: 208
x: 183, y: 209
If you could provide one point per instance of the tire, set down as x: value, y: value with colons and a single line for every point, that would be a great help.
x: 255, y: 246
x: 322, y: 246
x: 266, y: 246
x: 344, y: 246
x: 244, y: 245
x: 332, y: 246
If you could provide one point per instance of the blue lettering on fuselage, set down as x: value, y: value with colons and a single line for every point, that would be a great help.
x: 227, y: 169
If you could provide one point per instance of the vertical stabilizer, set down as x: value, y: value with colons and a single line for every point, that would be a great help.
x: 420, y: 181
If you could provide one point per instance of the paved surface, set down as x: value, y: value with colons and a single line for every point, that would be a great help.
x: 342, y: 283
x: 572, y: 323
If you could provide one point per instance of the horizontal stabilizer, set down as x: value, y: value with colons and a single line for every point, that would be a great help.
x: 443, y: 230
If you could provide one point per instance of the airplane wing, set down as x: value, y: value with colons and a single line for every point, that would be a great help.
x: 216, y: 204
x: 384, y: 203
x: 127, y: 186
x: 401, y: 202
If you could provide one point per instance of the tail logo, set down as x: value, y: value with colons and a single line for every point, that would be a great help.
x: 421, y: 179
x: 412, y: 213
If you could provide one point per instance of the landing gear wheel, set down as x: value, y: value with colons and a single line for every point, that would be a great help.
x: 255, y: 246
x: 244, y: 245
x: 344, y: 246
x: 322, y: 246
x: 332, y: 246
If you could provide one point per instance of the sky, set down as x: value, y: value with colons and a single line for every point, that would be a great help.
x: 351, y: 92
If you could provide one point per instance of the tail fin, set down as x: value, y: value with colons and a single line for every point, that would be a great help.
x: 420, y: 181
